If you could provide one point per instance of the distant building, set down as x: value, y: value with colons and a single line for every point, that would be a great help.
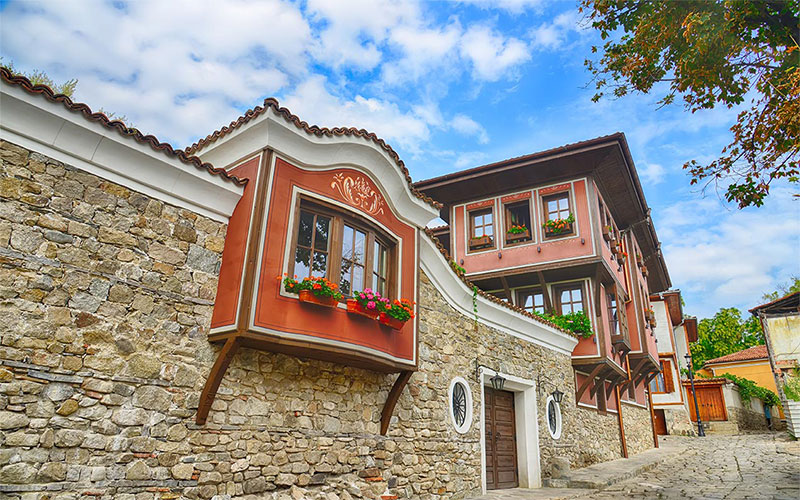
x: 780, y: 320
x: 674, y: 333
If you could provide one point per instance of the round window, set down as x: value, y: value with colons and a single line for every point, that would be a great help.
x: 553, y: 414
x: 460, y: 402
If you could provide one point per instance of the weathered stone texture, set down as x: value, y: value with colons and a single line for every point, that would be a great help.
x: 638, y: 428
x: 104, y: 355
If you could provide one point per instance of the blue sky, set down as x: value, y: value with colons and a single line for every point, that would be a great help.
x: 449, y: 85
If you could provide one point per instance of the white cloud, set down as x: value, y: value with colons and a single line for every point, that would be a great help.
x: 553, y: 35
x: 491, y: 54
x: 725, y: 257
x: 651, y: 173
x: 514, y: 6
x: 315, y: 104
x: 466, y: 125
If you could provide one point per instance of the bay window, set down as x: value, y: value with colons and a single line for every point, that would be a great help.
x: 342, y: 248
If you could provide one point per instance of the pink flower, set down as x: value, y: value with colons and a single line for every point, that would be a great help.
x: 370, y: 296
x: 362, y: 296
x: 370, y: 305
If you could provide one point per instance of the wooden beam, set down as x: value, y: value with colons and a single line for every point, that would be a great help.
x: 623, y: 442
x: 548, y: 304
x: 391, y: 400
x: 587, y: 382
x: 215, y: 378
x: 507, y: 290
x: 652, y: 417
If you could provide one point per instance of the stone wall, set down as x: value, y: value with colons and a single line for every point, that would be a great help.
x: 678, y: 422
x: 105, y: 302
x: 747, y: 419
x: 638, y: 428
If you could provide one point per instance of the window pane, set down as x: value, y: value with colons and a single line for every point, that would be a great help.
x: 344, y: 283
x: 302, y: 257
x: 306, y: 229
x: 358, y: 277
x: 358, y: 248
x: 488, y: 230
x: 563, y: 204
x: 321, y: 239
x: 576, y: 295
x: 347, y: 244
x: 319, y: 265
x: 528, y: 305
x: 552, y: 206
x: 487, y: 218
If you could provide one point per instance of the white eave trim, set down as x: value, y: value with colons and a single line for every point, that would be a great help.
x: 49, y: 128
x: 459, y: 296
x: 271, y: 130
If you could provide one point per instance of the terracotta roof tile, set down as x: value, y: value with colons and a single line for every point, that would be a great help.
x: 755, y: 352
x: 490, y: 297
x: 125, y: 131
x: 272, y: 103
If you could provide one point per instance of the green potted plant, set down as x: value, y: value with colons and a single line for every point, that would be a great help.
x: 555, y: 227
x: 517, y: 232
x: 367, y: 303
x: 319, y: 291
x: 396, y: 314
x: 478, y: 242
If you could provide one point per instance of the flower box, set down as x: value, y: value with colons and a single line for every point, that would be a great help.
x: 645, y: 272
x: 639, y: 260
x: 391, y: 322
x: 515, y: 237
x: 555, y: 231
x: 477, y: 242
x: 354, y: 307
x: 308, y: 297
x: 608, y: 233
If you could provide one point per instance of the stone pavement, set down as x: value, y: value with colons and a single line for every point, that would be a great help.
x: 757, y: 466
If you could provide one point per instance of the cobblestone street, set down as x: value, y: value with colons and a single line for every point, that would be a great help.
x: 758, y: 466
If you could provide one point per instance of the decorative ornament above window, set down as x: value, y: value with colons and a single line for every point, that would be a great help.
x: 358, y: 192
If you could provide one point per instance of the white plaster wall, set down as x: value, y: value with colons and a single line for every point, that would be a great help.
x: 663, y: 328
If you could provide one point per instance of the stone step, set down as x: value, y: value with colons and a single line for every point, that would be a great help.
x: 724, y: 428
x: 605, y: 474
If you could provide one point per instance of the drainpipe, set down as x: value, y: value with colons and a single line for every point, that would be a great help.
x: 621, y: 425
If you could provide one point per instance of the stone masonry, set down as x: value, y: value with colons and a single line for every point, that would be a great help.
x: 105, y: 304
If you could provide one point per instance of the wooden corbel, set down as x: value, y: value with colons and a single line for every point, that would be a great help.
x: 586, y: 383
x: 391, y: 400
x: 215, y: 378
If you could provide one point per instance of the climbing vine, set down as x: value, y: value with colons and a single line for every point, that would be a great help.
x: 748, y: 390
x: 475, y: 303
x: 576, y: 322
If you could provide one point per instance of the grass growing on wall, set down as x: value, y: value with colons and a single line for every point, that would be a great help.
x: 791, y: 388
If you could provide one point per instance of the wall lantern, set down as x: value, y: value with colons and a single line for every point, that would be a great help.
x: 558, y: 396
x: 497, y: 381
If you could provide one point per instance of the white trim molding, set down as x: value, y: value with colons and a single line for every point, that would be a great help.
x: 459, y: 296
x: 52, y: 130
x: 271, y: 130
x: 526, y: 425
x: 559, y: 422
x: 464, y: 427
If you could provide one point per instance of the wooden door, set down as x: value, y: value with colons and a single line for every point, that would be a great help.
x: 660, y: 421
x: 710, y: 402
x: 501, y: 440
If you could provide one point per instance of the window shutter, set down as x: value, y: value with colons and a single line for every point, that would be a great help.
x: 666, y: 367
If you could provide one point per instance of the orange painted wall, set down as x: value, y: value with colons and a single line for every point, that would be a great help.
x: 525, y: 254
x: 286, y: 314
x: 760, y: 372
x: 233, y: 256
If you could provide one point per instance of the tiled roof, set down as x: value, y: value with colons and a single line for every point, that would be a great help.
x: 125, y: 131
x: 272, y: 103
x: 755, y: 352
x: 787, y: 303
x: 490, y: 297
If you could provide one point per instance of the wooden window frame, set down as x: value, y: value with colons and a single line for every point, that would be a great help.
x: 557, y: 289
x: 520, y: 294
x: 567, y: 193
x: 507, y: 222
x: 471, y: 214
x: 666, y: 376
x: 338, y: 218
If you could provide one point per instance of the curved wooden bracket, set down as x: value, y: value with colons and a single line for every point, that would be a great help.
x: 391, y: 400
x: 215, y: 378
